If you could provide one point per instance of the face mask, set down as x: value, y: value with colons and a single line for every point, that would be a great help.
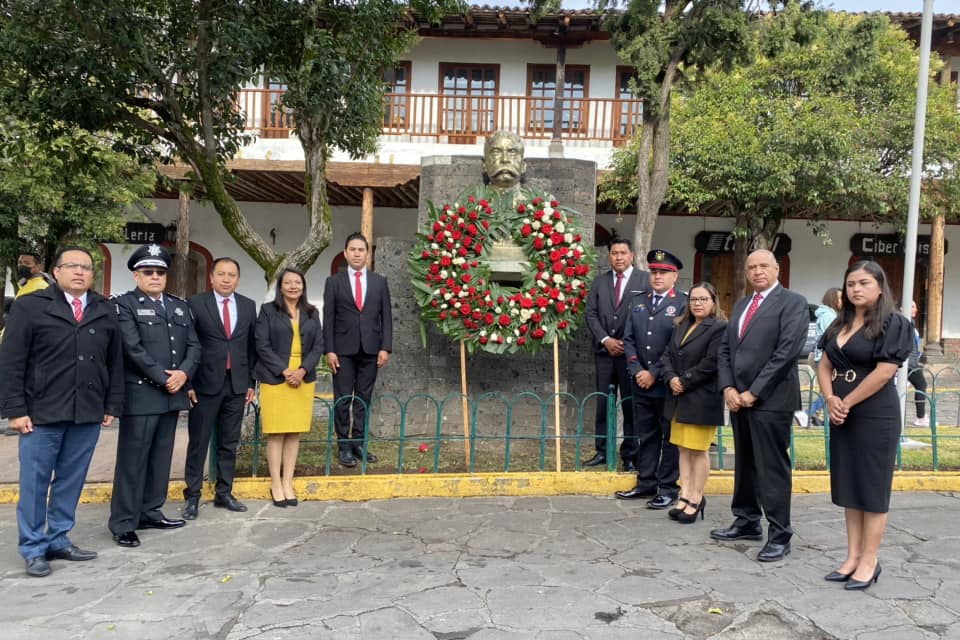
x: 24, y: 272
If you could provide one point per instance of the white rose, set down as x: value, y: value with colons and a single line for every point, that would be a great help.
x: 548, y: 210
x: 494, y: 336
x: 561, y: 297
x: 497, y: 310
x: 516, y: 332
x: 444, y: 274
x: 558, y: 278
x: 444, y: 306
x: 568, y: 238
x: 509, y: 339
x: 559, y: 227
x: 483, y: 332
x: 434, y: 246
x: 447, y: 296
x: 456, y: 305
x: 525, y: 314
x: 536, y: 225
x: 526, y: 221
x: 576, y: 283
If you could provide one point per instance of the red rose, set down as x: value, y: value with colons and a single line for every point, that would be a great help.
x: 554, y: 293
x: 446, y: 207
x: 477, y: 315
x: 523, y: 329
x: 430, y: 238
x: 554, y: 204
x: 422, y: 470
x: 541, y: 266
x: 461, y: 209
x: 557, y: 267
x: 434, y: 268
x: 556, y: 215
x: 462, y: 252
x: 484, y: 203
x: 466, y: 277
x: 569, y: 272
x: 562, y: 324
x: 483, y: 340
x: 522, y: 340
x: 542, y: 301
x: 538, y: 243
x: 437, y: 227
x: 425, y: 254
x: 434, y: 303
x: 443, y: 315
x: 537, y: 200
x: 521, y: 209
x: 547, y: 229
x: 472, y: 229
x: 504, y: 320
x: 561, y: 307
x: 468, y: 242
x: 474, y: 215
x: 486, y: 224
x: 488, y: 318
x: 424, y: 447
x: 478, y: 248
x: 526, y: 303
x: 556, y: 238
x: 536, y: 316
x: 450, y: 246
x: 453, y: 313
x: 465, y: 308
x: 538, y: 333
x: 526, y: 230
x: 499, y: 339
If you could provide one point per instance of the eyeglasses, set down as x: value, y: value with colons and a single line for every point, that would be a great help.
x: 700, y: 300
x: 73, y: 266
x: 153, y: 272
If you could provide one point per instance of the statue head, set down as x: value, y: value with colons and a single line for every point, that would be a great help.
x: 503, y: 163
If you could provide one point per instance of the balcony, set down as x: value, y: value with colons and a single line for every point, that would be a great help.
x: 463, y: 119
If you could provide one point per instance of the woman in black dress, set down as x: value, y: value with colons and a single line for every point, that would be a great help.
x: 863, y: 349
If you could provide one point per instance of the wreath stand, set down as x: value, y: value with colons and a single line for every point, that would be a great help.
x: 465, y: 404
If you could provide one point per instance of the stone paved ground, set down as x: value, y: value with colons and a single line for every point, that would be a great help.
x: 485, y: 568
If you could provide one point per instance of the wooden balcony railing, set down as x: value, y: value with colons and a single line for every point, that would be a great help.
x: 462, y: 119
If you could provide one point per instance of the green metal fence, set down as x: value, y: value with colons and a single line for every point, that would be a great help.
x: 443, y: 444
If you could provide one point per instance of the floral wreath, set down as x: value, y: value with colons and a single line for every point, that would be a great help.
x: 450, y: 273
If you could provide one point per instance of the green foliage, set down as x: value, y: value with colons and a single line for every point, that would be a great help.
x: 67, y: 186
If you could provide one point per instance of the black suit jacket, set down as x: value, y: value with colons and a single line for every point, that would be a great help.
x: 348, y: 331
x: 241, y: 345
x: 603, y: 316
x: 765, y: 361
x: 695, y: 363
x: 274, y: 337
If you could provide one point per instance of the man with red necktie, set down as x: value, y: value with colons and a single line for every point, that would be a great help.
x: 358, y: 338
x: 62, y: 367
x: 761, y: 388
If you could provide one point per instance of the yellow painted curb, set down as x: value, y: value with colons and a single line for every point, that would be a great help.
x: 384, y: 486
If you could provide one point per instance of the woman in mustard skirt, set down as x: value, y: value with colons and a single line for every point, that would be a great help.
x: 690, y: 372
x: 289, y: 347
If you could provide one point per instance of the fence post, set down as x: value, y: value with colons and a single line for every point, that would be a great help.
x: 611, y: 441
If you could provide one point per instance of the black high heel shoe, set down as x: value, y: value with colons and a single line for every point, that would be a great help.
x: 677, y: 510
x: 836, y: 576
x: 278, y: 503
x: 689, y: 518
x: 863, y: 585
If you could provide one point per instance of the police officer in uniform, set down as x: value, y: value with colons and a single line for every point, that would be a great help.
x: 649, y: 328
x: 161, y: 352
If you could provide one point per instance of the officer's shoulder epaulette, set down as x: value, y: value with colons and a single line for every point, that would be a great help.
x: 170, y: 295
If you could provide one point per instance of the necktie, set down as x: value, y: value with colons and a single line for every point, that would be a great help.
x: 656, y: 300
x: 77, y: 309
x: 752, y: 309
x: 358, y: 292
x: 226, y: 325
x: 618, y: 289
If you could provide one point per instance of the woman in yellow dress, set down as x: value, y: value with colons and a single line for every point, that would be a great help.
x: 289, y: 347
x: 690, y: 371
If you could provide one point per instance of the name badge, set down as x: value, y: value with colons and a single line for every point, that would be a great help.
x: 671, y: 310
x: 146, y: 312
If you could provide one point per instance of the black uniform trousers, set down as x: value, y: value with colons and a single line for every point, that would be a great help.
x: 142, y: 474
x: 762, y: 477
x: 657, y: 459
x: 357, y: 377
x: 612, y: 371
x: 219, y: 415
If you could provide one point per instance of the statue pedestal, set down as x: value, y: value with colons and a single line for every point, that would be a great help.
x: 507, y: 261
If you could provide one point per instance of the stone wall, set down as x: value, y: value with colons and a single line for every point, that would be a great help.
x: 435, y: 369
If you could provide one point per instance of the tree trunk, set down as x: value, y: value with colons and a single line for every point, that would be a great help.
x: 320, y: 225
x: 182, y: 257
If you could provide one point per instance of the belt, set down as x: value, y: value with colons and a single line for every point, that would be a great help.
x: 848, y: 376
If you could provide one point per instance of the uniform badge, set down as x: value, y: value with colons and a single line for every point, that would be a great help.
x: 671, y: 310
x: 178, y: 311
x: 146, y: 312
x: 660, y: 256
x: 154, y: 250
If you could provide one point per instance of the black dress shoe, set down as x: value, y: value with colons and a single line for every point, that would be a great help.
x: 128, y: 539
x: 358, y: 454
x: 72, y: 553
x: 662, y: 501
x: 857, y: 585
x: 773, y: 551
x: 291, y: 502
x: 836, y: 576
x: 347, y: 459
x: 278, y: 503
x: 629, y: 467
x: 229, y: 503
x: 190, y: 509
x: 162, y: 523
x: 37, y: 567
x: 737, y: 533
x: 637, y: 493
x: 597, y: 460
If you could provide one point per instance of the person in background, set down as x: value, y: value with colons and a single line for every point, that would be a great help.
x: 223, y: 385
x: 915, y: 374
x: 608, y: 306
x: 695, y: 404
x: 30, y: 273
x: 56, y: 337
x: 861, y: 355
x: 826, y: 314
x: 289, y: 341
x: 161, y: 353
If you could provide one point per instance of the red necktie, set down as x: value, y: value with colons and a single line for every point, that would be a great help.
x: 77, y: 309
x: 752, y: 309
x: 226, y: 325
x: 617, y: 289
x: 358, y: 292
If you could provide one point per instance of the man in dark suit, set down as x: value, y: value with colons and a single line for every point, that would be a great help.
x: 161, y: 353
x: 223, y: 384
x: 358, y: 338
x: 62, y: 368
x: 648, y: 330
x: 758, y: 376
x: 607, y: 307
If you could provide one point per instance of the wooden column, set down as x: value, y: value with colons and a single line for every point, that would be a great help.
x: 366, y: 221
x: 181, y: 258
x: 556, y: 143
x: 934, y: 344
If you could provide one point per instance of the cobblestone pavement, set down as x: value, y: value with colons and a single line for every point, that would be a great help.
x: 485, y: 568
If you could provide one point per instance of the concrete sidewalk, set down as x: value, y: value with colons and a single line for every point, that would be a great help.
x: 485, y: 568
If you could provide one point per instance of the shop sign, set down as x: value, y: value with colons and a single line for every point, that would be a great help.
x: 144, y: 232
x: 723, y: 242
x: 888, y: 244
